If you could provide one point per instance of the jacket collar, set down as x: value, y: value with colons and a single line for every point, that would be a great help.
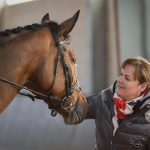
x: 147, y: 104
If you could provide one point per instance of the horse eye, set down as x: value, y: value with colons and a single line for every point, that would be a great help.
x: 73, y: 60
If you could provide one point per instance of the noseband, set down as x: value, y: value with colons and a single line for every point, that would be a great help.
x: 69, y: 89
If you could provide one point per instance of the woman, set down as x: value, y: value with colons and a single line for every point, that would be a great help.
x: 122, y: 112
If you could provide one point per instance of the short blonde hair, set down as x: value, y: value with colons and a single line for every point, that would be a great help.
x: 142, y: 69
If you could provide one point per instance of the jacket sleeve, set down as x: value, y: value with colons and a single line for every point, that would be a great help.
x: 148, y: 146
x: 92, y: 106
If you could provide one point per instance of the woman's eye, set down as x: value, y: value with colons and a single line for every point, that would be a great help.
x: 127, y: 79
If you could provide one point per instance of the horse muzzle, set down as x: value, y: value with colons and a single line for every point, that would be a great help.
x: 77, y: 112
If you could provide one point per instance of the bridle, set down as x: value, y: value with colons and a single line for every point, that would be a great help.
x: 69, y: 89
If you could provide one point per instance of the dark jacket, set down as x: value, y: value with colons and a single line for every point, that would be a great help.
x: 133, y: 132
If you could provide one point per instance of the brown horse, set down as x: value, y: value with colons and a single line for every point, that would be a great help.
x: 39, y: 57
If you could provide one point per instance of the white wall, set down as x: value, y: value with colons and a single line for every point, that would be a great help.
x: 2, y: 4
x: 147, y: 16
x: 129, y: 29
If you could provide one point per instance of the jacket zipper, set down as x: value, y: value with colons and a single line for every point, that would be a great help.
x: 112, y: 114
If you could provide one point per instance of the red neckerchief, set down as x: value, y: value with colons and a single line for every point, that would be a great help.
x: 123, y: 108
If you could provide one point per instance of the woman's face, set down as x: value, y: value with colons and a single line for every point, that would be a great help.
x: 127, y: 87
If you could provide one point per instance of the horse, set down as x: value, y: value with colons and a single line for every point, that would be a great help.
x: 39, y: 58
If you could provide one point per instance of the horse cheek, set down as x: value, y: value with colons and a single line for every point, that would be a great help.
x: 44, y: 77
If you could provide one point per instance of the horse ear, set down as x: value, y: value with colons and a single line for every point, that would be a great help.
x: 45, y: 18
x: 66, y: 26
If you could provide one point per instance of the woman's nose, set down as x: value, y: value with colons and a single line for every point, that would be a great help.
x: 120, y: 79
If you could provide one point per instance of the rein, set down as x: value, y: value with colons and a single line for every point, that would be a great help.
x: 69, y: 89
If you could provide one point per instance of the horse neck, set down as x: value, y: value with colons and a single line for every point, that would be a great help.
x: 20, y: 56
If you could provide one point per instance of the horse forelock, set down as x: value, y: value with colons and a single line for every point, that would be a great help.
x: 54, y: 28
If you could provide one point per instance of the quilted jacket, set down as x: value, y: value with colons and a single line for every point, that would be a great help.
x: 132, y: 134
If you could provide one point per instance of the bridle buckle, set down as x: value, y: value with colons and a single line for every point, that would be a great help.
x: 66, y: 98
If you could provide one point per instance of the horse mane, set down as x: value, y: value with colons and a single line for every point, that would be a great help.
x: 8, y: 32
x: 52, y: 25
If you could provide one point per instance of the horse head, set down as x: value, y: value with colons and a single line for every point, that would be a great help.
x: 56, y: 71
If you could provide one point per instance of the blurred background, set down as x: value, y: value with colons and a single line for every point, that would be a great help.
x: 106, y: 33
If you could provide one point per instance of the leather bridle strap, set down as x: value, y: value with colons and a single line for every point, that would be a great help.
x: 59, y: 54
x: 65, y: 68
x: 49, y: 97
x: 9, y: 82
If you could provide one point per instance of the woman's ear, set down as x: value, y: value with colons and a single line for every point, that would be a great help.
x: 143, y: 86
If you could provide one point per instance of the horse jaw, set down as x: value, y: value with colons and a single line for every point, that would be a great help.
x: 76, y: 114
